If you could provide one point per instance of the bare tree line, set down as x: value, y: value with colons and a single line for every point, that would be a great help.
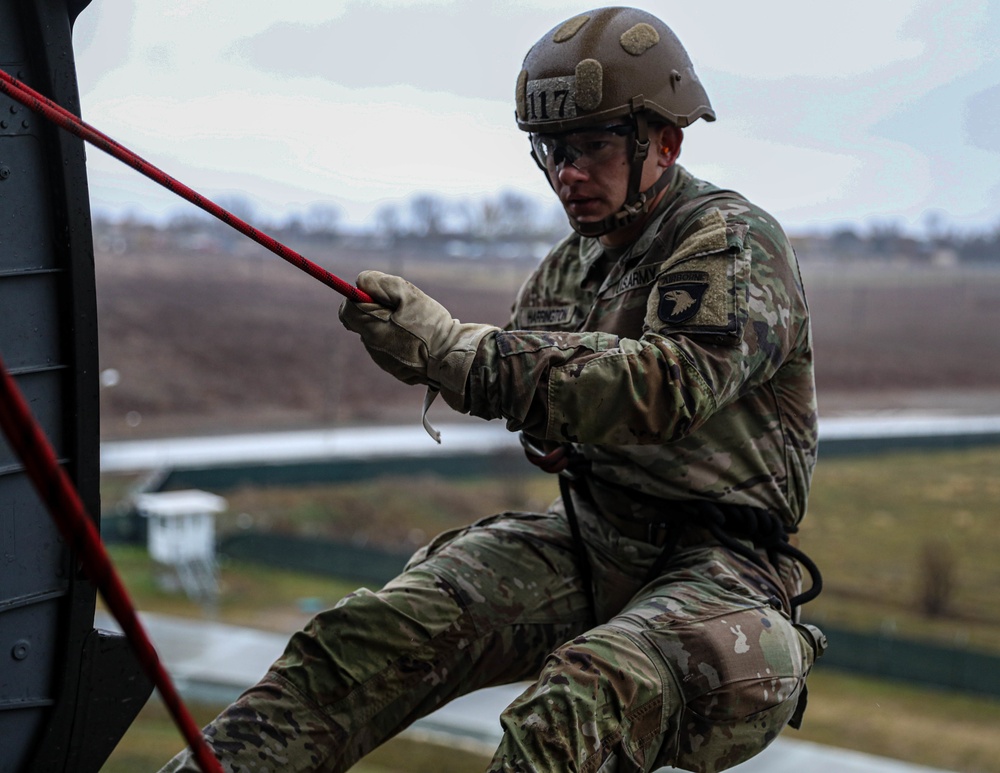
x: 428, y: 220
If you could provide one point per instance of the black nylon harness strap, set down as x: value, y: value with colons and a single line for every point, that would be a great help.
x: 582, y: 560
x: 728, y: 523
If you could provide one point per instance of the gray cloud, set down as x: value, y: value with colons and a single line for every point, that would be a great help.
x: 115, y: 23
x: 982, y: 119
x: 467, y: 49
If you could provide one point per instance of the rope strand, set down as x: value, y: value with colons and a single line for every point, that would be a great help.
x: 67, y: 510
x: 28, y: 441
x: 63, y: 118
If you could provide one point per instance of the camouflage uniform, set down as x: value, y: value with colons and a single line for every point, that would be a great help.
x: 692, y: 379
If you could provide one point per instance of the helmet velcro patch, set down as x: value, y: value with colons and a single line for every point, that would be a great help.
x: 638, y: 55
x: 570, y: 28
x: 639, y: 39
x: 589, y: 84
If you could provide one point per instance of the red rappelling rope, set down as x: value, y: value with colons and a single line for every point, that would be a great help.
x: 67, y: 510
x: 71, y: 123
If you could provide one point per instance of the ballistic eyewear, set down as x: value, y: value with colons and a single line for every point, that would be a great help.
x: 582, y: 149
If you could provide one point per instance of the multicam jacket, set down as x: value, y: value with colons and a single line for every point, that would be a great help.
x: 680, y: 369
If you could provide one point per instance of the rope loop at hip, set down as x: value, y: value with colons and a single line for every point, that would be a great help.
x: 729, y: 523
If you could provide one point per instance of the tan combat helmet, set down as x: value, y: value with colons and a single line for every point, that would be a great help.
x: 604, y: 66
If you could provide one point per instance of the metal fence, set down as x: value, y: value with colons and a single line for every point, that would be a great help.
x: 872, y: 654
x: 916, y: 662
x: 316, y: 556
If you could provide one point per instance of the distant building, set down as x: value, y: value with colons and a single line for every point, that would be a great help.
x: 181, y: 536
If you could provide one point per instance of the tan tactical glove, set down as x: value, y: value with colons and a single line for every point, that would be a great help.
x: 413, y: 337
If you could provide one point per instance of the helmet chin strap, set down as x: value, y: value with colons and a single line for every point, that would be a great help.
x: 629, y: 212
x: 637, y: 203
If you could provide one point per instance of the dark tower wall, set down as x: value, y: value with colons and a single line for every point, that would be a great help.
x: 62, y: 684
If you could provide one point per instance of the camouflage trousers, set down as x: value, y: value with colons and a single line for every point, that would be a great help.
x: 699, y: 669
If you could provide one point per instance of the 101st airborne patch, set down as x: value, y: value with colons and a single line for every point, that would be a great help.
x: 681, y: 295
x: 707, y: 295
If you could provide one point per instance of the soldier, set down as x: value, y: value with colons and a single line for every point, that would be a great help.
x: 659, y: 359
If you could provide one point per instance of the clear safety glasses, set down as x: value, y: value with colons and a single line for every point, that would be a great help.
x: 582, y: 149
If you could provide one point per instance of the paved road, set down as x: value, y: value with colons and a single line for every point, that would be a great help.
x: 475, y: 438
x: 214, y: 662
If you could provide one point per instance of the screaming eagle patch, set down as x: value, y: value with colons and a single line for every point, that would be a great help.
x: 704, y: 288
x: 708, y: 300
x: 680, y: 296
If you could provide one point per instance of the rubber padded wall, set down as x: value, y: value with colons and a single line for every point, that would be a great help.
x: 67, y: 691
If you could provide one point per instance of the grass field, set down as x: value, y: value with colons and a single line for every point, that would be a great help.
x: 877, y: 526
x: 880, y: 526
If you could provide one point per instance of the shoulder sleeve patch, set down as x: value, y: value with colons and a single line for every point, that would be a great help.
x: 703, y: 287
x: 680, y: 295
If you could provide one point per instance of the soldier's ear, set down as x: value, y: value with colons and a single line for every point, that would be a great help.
x: 669, y: 139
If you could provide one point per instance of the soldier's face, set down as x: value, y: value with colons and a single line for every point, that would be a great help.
x: 591, y: 193
x: 599, y: 189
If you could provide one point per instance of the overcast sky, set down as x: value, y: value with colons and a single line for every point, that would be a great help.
x: 856, y: 111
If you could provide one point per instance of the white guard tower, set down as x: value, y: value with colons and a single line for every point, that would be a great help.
x: 182, y: 536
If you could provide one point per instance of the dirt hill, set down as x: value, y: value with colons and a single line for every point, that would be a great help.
x: 207, y: 343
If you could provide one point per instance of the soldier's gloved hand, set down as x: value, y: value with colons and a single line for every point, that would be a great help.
x: 412, y: 336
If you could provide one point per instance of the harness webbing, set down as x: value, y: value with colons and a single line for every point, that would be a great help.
x: 580, y: 547
x: 728, y: 523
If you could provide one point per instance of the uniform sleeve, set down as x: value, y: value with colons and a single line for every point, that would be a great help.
x: 721, y: 318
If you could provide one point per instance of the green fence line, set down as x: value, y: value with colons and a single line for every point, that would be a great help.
x: 222, y: 478
x: 316, y: 556
x: 888, y: 657
x: 878, y: 655
x: 865, y: 446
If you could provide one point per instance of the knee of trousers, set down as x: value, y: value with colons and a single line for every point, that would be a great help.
x: 406, y: 632
x: 597, y: 702
x: 701, y: 695
x: 737, y: 679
